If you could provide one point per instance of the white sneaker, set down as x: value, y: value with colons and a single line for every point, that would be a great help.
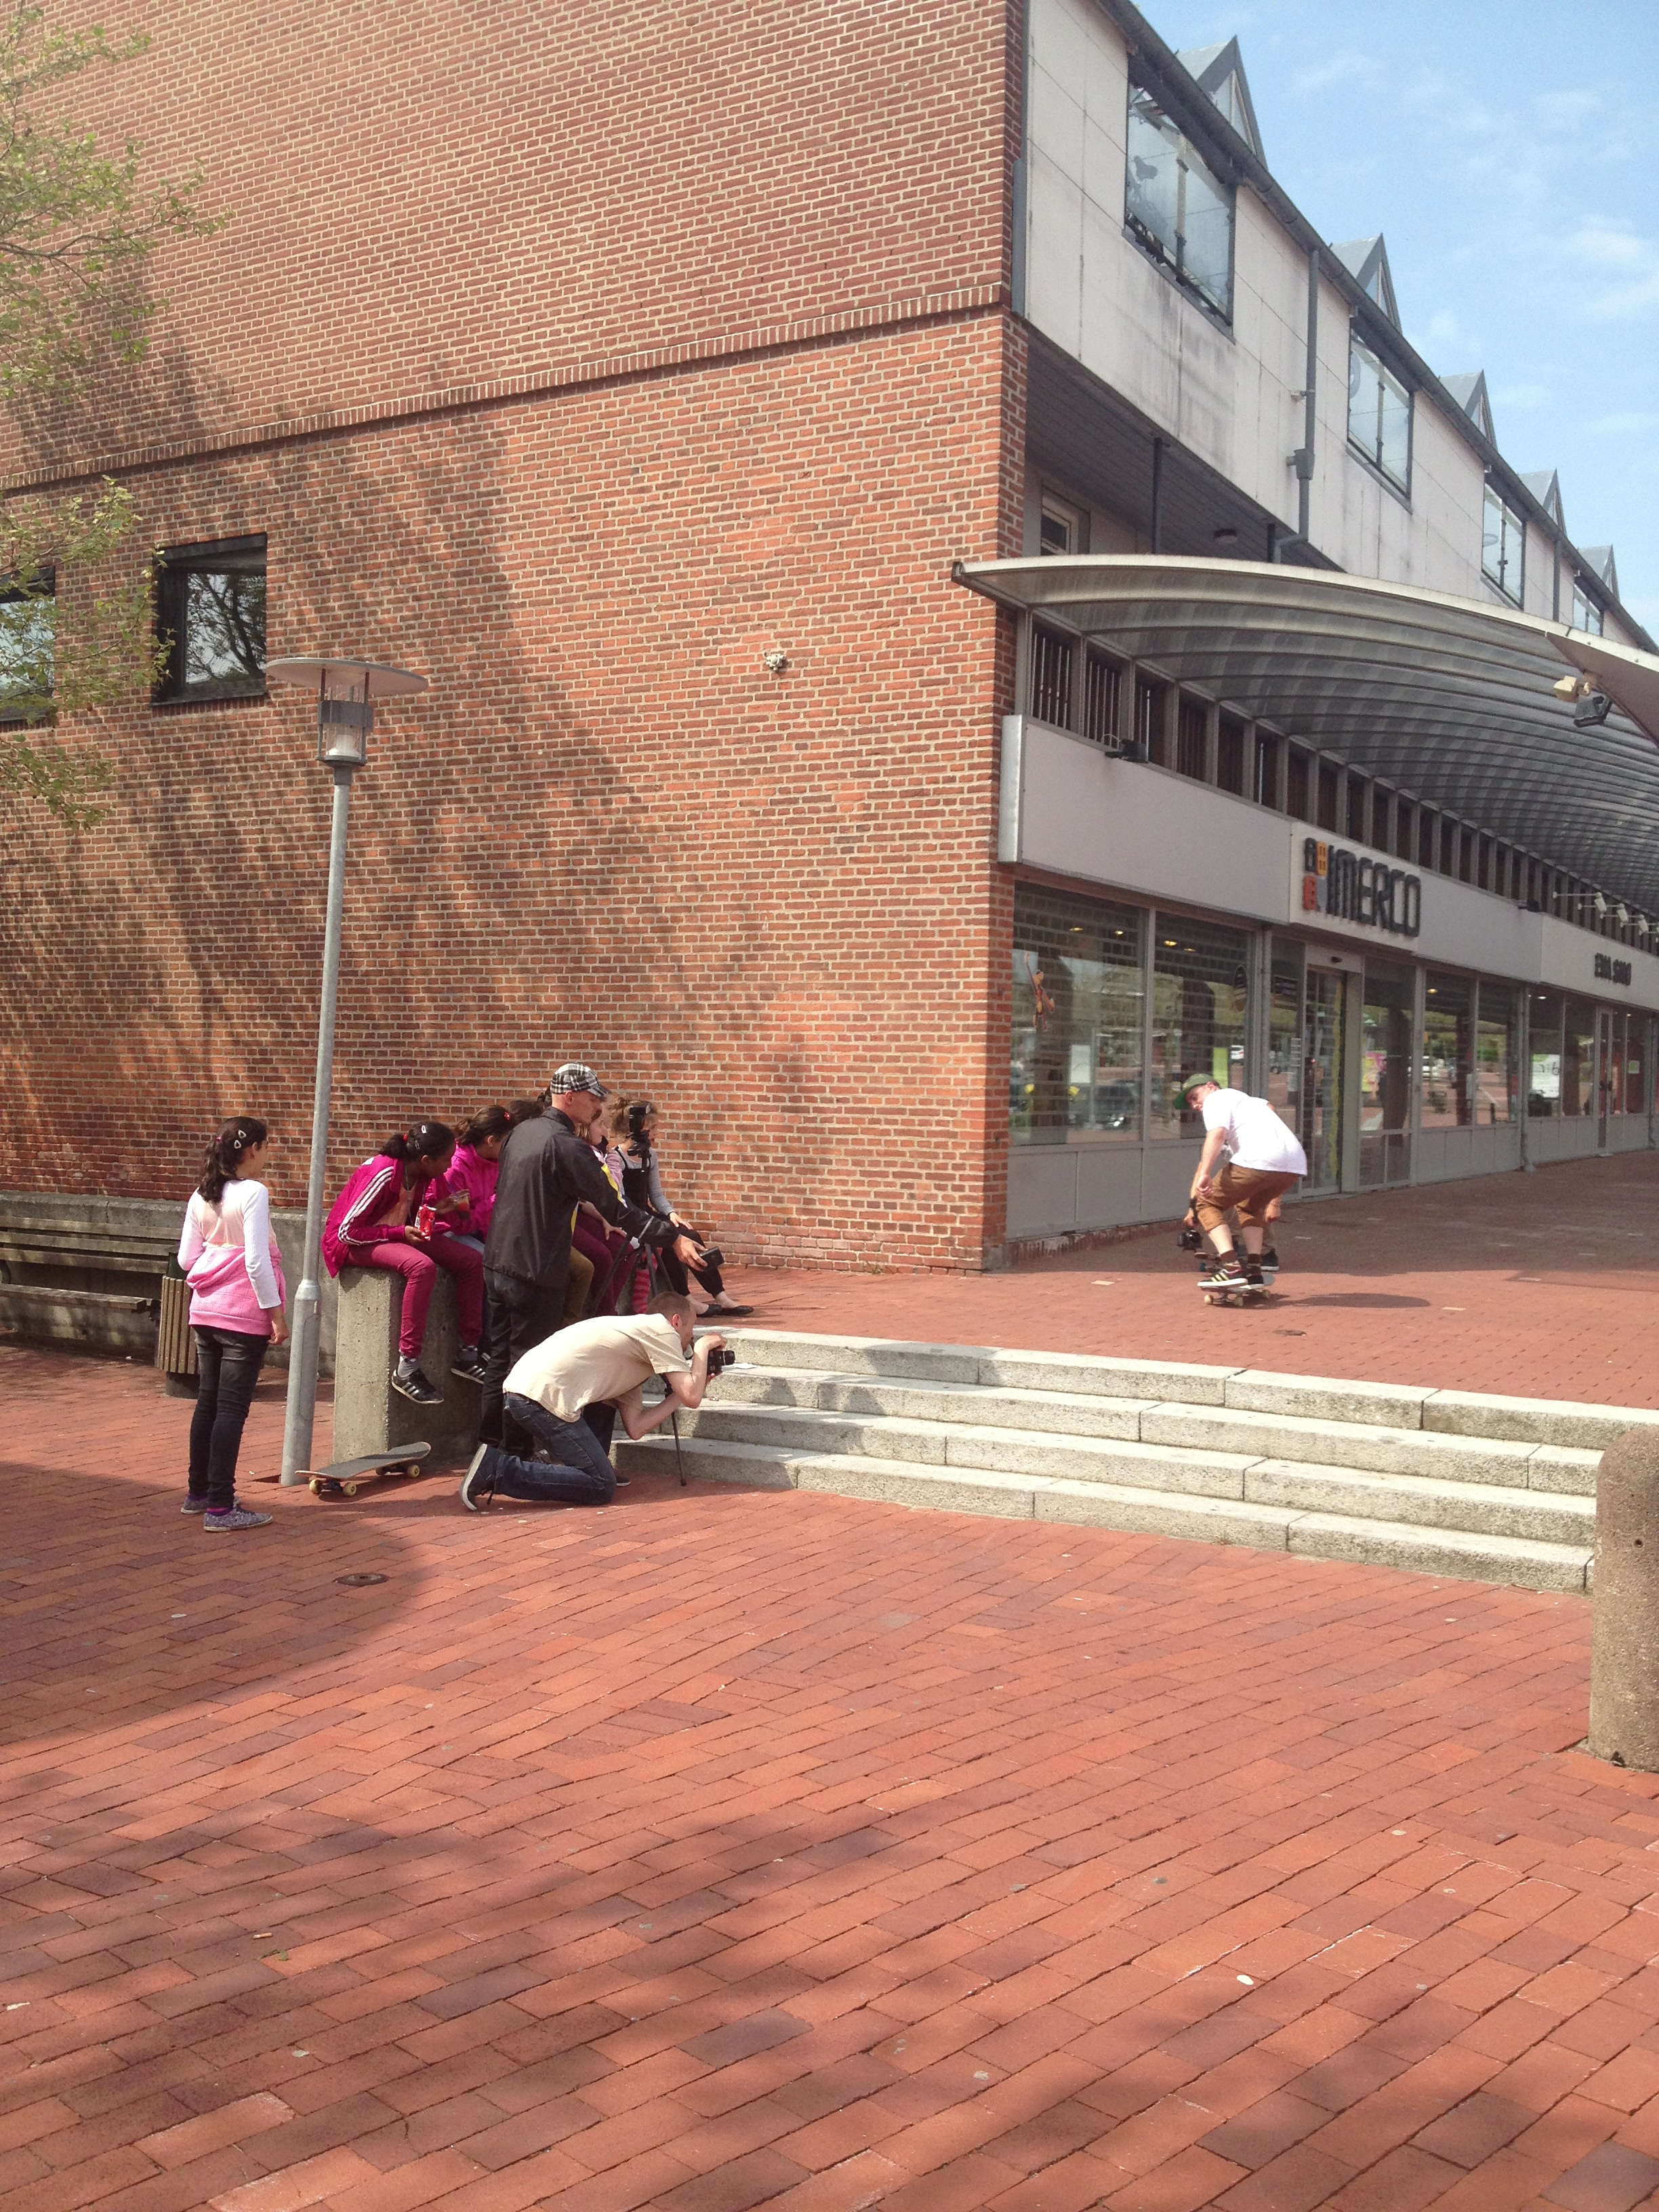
x: 473, y: 1482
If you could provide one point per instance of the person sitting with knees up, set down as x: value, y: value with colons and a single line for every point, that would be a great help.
x: 634, y: 1156
x: 394, y: 1214
x: 567, y: 1391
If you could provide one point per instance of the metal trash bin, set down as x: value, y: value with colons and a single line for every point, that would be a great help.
x: 175, y: 1342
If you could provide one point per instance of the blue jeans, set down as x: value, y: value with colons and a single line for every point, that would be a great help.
x: 581, y: 1474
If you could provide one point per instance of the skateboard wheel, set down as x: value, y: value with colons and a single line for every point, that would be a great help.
x: 316, y: 1487
x: 350, y: 1488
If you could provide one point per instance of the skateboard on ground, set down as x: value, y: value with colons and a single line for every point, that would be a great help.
x: 341, y: 1479
x: 1248, y: 1294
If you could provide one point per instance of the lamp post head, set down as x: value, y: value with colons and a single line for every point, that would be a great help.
x: 346, y: 692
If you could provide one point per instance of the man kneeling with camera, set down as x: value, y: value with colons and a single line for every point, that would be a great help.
x: 567, y: 1390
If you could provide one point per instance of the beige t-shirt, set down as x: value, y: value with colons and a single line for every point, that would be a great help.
x: 594, y: 1363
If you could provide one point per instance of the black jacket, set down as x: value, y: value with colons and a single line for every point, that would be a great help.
x: 546, y: 1168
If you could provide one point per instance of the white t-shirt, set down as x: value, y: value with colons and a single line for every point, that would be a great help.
x: 1256, y: 1138
x: 594, y: 1363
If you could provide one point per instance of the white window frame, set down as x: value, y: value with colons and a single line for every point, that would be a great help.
x: 1367, y: 440
x: 1511, y: 527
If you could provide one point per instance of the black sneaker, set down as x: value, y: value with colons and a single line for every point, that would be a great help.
x: 1254, y: 1276
x: 415, y: 1386
x: 1269, y: 1261
x: 475, y: 1485
x: 470, y: 1366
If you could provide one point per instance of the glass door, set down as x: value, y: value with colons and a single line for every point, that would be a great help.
x: 1325, y: 1072
x: 1385, y: 1075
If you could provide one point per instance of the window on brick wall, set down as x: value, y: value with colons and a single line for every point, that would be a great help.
x: 26, y: 642
x: 210, y: 611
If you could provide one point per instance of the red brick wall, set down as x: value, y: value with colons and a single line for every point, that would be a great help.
x: 429, y: 196
x: 769, y: 900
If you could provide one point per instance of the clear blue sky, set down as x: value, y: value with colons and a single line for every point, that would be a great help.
x: 1509, y: 152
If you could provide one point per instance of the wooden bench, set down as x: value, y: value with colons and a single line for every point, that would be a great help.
x: 47, y: 1251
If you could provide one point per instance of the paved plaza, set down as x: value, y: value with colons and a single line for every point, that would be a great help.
x: 729, y: 1848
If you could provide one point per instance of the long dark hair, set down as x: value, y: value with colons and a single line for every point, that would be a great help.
x: 427, y: 1140
x: 523, y: 1109
x: 494, y: 1122
x: 236, y: 1140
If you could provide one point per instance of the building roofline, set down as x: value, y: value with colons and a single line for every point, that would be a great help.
x: 1204, y: 121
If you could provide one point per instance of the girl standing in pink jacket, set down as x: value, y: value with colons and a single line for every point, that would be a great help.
x: 234, y: 1271
x: 472, y: 1173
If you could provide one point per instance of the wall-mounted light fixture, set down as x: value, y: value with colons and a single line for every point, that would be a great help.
x: 776, y: 659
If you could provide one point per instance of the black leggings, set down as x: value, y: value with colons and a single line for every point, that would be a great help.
x: 227, y: 1364
x: 676, y: 1271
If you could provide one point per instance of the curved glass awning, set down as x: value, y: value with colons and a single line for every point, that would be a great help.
x: 1450, y: 699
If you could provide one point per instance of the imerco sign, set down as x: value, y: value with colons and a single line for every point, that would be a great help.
x: 1610, y: 970
x: 1353, y: 887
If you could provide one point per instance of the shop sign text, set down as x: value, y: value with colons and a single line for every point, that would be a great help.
x: 1353, y: 887
x: 1610, y: 970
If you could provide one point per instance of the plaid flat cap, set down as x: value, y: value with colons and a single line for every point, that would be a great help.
x: 574, y: 1075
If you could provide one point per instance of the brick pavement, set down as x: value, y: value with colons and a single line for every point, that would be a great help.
x: 1544, y: 1285
x: 727, y: 1849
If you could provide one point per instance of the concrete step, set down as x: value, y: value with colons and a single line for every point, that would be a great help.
x: 1431, y: 1453
x: 1556, y: 1424
x: 1366, y: 1536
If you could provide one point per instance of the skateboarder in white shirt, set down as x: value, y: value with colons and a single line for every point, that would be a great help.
x: 1263, y: 1161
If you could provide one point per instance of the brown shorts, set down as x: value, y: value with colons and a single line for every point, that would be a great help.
x: 1252, y: 1190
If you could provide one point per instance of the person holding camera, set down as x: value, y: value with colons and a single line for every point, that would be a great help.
x: 567, y: 1392
x: 547, y: 1168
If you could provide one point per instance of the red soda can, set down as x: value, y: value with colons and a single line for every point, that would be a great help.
x: 426, y: 1220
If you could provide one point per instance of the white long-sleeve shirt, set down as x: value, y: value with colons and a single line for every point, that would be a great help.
x: 240, y: 1219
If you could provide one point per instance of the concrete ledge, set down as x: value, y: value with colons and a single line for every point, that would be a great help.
x: 1327, y: 1398
x: 104, y: 1321
x: 1534, y: 1420
x: 369, y: 1415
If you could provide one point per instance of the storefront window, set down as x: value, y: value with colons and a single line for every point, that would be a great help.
x: 1635, y: 1066
x: 1198, y: 997
x: 1448, y: 1050
x: 1285, y: 1035
x: 1496, y: 1066
x: 1578, y: 1060
x: 1544, y: 1056
x: 1079, y: 992
x: 1385, y: 1075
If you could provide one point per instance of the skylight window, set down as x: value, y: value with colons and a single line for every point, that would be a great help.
x: 1379, y: 414
x: 1177, y: 208
x: 1586, y: 611
x: 1503, y: 546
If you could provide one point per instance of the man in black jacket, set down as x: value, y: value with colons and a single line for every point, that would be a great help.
x: 546, y: 1168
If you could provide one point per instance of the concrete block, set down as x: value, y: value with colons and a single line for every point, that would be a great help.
x: 1081, y: 1374
x: 1563, y: 1468
x: 1532, y: 1420
x: 1327, y: 1398
x: 859, y: 1355
x: 1341, y: 1443
x: 793, y: 1429
x: 1058, y: 1414
x: 369, y: 1415
x: 1143, y: 1513
x: 893, y: 1485
x: 1090, y: 1459
x: 1484, y: 1511
x: 1446, y: 1552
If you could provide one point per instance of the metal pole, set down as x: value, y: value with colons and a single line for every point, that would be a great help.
x: 302, y: 1355
x: 1158, y: 494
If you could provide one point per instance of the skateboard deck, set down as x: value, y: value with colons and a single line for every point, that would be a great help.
x: 1251, y: 1294
x: 341, y: 1479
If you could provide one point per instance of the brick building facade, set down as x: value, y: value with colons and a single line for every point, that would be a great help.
x: 584, y: 360
x: 578, y: 363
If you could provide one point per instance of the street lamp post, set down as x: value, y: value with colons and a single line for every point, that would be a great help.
x: 346, y: 692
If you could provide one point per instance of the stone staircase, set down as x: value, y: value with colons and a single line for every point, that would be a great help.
x: 1443, y: 1482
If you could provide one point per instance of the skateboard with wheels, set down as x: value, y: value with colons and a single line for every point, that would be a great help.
x: 343, y: 1478
x: 1247, y: 1294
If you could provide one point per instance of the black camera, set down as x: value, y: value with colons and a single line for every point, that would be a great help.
x: 712, y: 1256
x: 1189, y: 1238
x: 720, y: 1357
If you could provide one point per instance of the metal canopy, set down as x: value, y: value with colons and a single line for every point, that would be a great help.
x: 1448, y: 699
x: 308, y: 675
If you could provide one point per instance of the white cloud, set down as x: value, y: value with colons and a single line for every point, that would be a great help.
x: 1621, y: 266
x: 1628, y: 422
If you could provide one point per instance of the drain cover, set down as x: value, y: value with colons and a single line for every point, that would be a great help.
x: 359, y: 1582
